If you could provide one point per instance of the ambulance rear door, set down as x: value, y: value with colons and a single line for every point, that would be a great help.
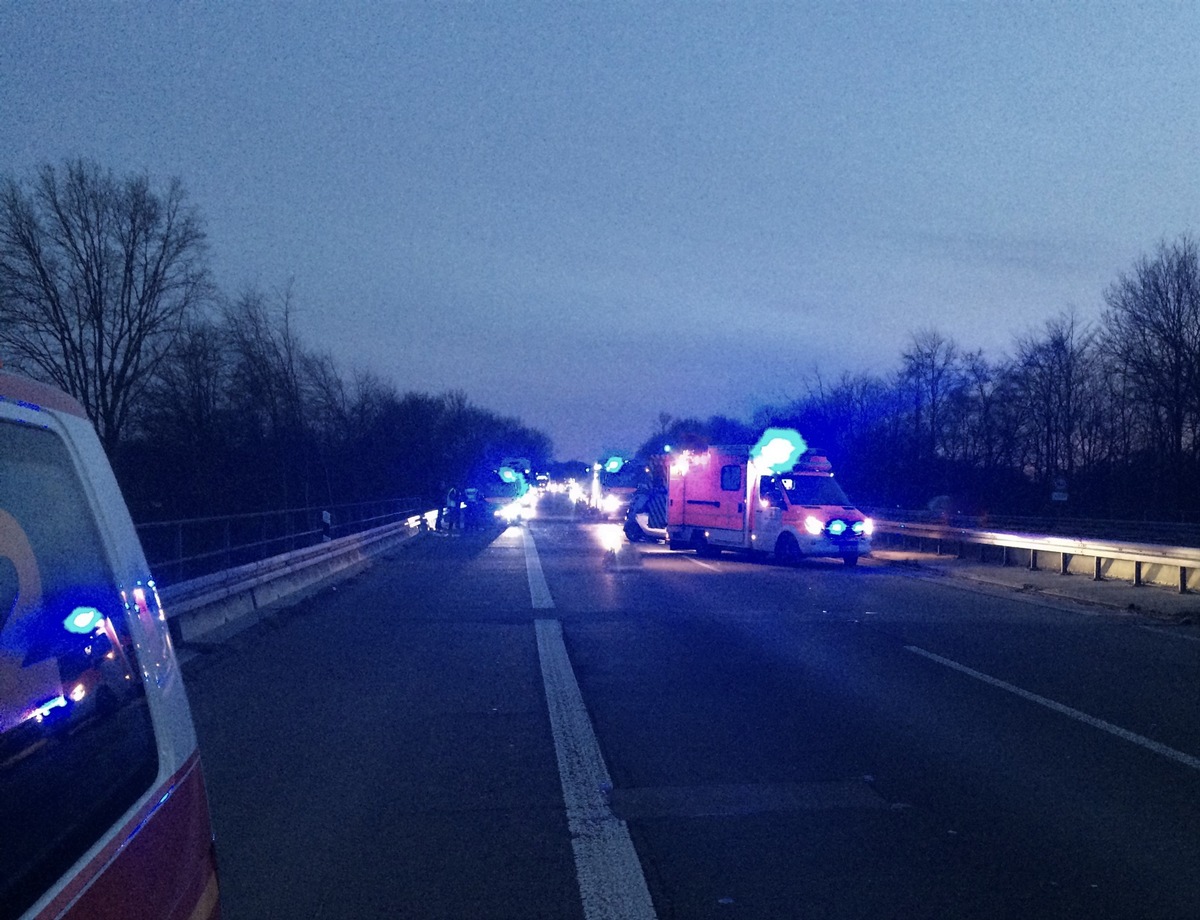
x: 724, y: 508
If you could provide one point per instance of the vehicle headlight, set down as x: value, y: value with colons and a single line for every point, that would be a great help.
x: 813, y: 525
x: 612, y: 537
x: 510, y: 512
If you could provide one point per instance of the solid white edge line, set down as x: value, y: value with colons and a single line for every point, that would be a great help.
x: 612, y: 885
x: 539, y: 591
x: 1169, y: 632
x: 1186, y: 759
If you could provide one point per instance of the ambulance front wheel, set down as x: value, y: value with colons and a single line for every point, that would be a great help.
x: 705, y: 549
x: 787, y: 550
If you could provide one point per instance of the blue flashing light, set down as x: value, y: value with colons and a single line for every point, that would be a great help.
x: 507, y: 474
x: 614, y: 464
x: 778, y: 449
x: 83, y: 620
x: 666, y: 448
x: 837, y: 528
x: 42, y: 711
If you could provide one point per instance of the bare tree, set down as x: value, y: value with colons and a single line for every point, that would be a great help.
x: 269, y: 392
x: 931, y: 373
x: 970, y: 425
x: 1153, y: 332
x: 97, y: 278
x: 180, y: 431
x: 1051, y: 378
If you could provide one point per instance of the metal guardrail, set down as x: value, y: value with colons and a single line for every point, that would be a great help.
x: 202, y: 607
x: 1136, y: 562
x: 1167, y: 533
x: 190, y: 548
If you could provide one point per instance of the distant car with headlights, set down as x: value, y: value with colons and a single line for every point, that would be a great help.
x: 721, y: 499
x: 103, y: 809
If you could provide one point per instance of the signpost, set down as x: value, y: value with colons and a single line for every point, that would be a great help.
x: 1060, y: 490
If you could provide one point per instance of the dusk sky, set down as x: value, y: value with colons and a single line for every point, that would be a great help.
x: 584, y: 215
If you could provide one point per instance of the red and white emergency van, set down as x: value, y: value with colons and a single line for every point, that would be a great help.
x: 722, y: 499
x: 103, y: 809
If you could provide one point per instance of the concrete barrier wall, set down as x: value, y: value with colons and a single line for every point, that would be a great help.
x: 208, y: 608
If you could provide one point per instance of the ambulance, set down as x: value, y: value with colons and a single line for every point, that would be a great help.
x: 103, y: 808
x: 744, y: 499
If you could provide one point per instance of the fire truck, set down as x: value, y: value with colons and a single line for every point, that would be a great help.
x: 734, y: 498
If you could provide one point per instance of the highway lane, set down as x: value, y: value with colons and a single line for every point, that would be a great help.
x: 810, y: 742
x: 793, y: 682
x: 382, y: 750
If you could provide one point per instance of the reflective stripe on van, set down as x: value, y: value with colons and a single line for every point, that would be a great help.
x: 159, y: 864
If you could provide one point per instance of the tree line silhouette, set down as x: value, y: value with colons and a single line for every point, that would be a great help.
x: 209, y: 403
x: 1082, y: 419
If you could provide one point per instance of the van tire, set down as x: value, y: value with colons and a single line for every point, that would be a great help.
x: 787, y: 550
x: 706, y: 550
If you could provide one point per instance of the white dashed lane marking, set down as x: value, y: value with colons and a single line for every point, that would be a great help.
x: 1186, y: 759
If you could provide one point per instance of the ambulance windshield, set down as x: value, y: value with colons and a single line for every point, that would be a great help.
x: 813, y: 490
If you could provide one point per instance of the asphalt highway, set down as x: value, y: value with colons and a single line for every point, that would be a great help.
x: 519, y: 724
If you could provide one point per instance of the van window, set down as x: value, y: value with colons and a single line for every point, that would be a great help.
x: 814, y: 490
x: 770, y: 491
x: 77, y: 747
x: 731, y: 478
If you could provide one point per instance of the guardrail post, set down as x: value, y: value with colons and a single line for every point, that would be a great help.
x: 1097, y: 572
x: 1033, y: 560
x: 1137, y: 574
x: 1183, y: 579
x: 1064, y: 563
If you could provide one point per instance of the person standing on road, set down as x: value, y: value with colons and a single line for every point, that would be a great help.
x: 459, y: 511
x: 441, y: 511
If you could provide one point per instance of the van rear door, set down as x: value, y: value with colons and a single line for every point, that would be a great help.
x: 714, y: 499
